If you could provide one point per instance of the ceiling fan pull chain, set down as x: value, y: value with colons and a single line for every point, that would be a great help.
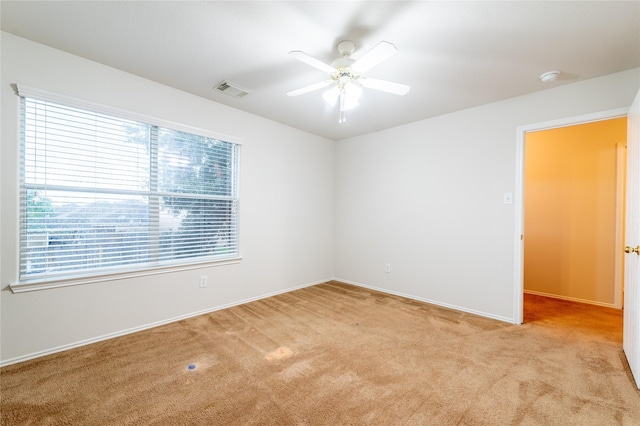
x: 343, y: 113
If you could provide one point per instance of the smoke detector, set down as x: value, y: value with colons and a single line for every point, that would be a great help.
x: 549, y: 76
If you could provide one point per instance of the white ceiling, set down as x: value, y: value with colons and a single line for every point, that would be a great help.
x: 454, y: 55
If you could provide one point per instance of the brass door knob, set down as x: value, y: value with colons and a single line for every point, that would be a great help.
x: 635, y: 250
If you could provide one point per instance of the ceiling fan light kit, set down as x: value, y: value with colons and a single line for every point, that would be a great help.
x: 346, y: 76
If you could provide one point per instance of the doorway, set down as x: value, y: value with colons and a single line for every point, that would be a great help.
x: 567, y: 289
x: 573, y: 185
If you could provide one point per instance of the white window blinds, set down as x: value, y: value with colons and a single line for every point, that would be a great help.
x: 102, y: 194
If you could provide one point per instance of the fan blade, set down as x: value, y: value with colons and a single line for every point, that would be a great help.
x: 311, y: 88
x: 385, y: 86
x: 309, y: 60
x: 380, y: 52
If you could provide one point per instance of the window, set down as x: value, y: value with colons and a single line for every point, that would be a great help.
x: 102, y: 194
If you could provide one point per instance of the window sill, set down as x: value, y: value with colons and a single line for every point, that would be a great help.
x: 44, y: 284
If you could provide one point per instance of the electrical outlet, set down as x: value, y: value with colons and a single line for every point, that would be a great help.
x: 387, y: 268
x: 203, y: 281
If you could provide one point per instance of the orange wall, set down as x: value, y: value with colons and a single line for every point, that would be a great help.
x: 570, y: 210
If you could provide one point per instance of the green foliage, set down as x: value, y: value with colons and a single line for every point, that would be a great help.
x: 39, y: 211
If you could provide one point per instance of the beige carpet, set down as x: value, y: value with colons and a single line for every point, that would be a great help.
x: 335, y: 354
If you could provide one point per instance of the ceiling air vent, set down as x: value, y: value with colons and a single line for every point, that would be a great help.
x: 232, y: 89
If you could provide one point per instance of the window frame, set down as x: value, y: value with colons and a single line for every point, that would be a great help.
x: 88, y: 276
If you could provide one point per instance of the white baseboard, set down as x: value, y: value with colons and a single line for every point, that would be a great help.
x: 431, y: 302
x: 572, y: 299
x: 150, y: 325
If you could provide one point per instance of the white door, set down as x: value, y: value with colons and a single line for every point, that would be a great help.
x: 631, y: 337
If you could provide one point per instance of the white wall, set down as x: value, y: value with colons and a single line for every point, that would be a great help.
x: 286, y: 210
x: 428, y: 197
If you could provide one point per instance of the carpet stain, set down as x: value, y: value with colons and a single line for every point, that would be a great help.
x: 280, y: 353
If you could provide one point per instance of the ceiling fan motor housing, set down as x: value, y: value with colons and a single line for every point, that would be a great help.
x: 346, y: 48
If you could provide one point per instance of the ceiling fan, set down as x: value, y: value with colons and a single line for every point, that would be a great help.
x: 346, y: 75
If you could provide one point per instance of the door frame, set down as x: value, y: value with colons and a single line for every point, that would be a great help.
x: 521, y: 131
